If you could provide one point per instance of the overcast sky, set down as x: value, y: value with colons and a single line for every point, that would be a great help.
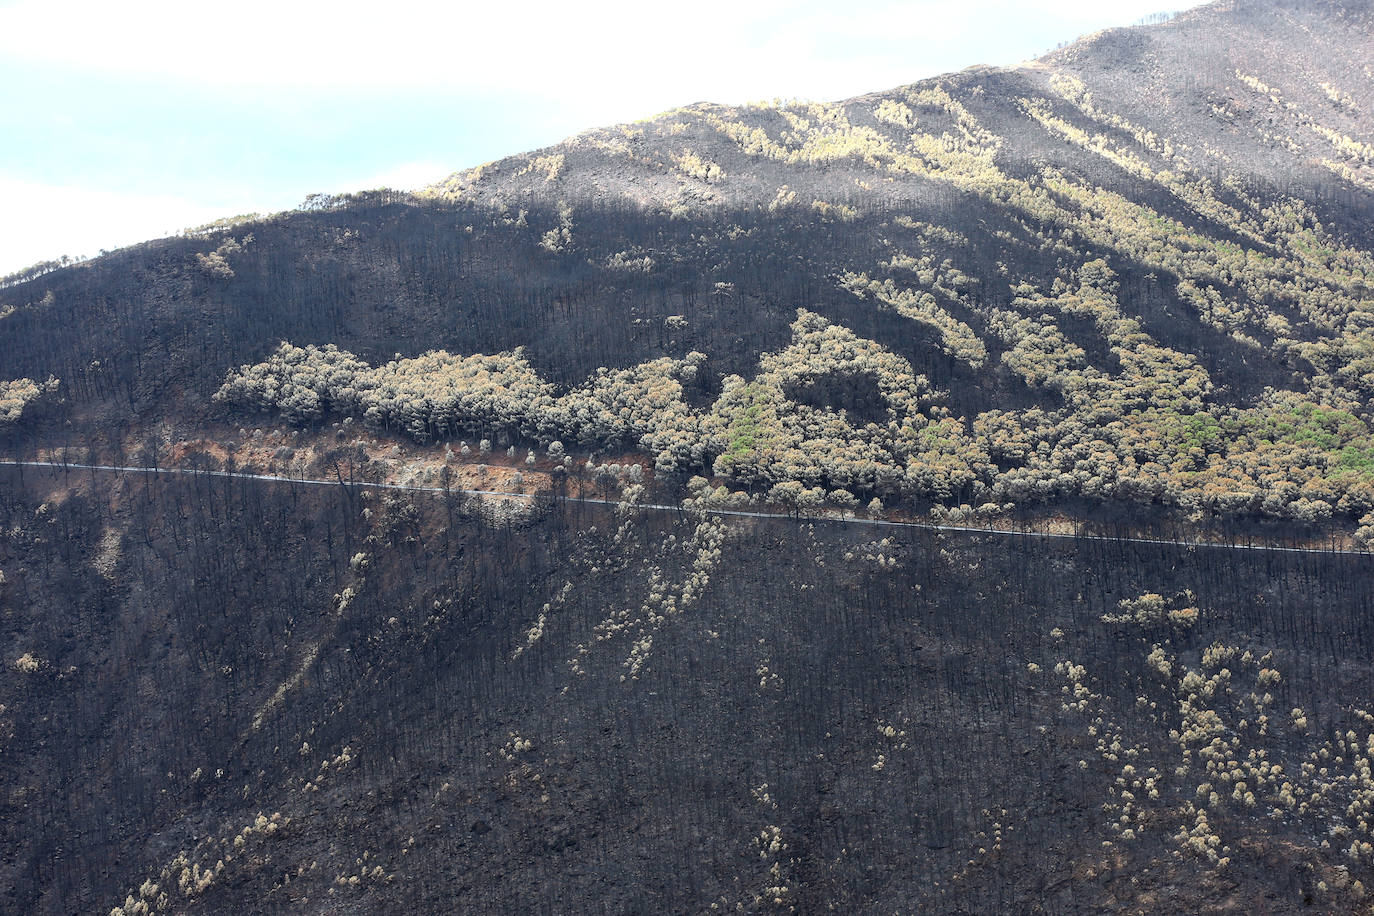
x: 124, y: 120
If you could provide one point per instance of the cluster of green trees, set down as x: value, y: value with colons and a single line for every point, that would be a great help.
x: 1147, y: 431
x: 439, y: 395
x: 1122, y: 416
x: 761, y: 434
x: 1288, y: 285
x: 16, y: 395
x: 956, y: 338
x: 755, y: 432
x: 1150, y: 431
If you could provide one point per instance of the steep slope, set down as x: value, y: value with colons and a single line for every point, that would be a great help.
x: 1128, y: 285
x: 1135, y: 271
x: 1187, y: 96
x: 240, y: 698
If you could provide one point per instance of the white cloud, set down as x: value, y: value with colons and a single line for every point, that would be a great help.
x: 408, y: 176
x: 642, y: 54
x: 595, y: 62
x: 58, y: 220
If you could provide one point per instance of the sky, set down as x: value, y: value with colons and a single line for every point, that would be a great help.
x: 130, y: 120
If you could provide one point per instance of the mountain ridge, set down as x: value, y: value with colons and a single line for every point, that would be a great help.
x: 1035, y: 245
x: 1252, y: 21
x: 1128, y: 292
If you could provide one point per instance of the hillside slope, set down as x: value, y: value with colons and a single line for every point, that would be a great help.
x: 1130, y: 284
x: 1134, y: 272
x: 1260, y: 89
x: 268, y: 698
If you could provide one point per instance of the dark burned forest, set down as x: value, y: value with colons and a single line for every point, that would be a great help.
x: 945, y: 705
x: 687, y: 608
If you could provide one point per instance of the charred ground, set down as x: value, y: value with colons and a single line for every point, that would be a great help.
x: 1130, y: 281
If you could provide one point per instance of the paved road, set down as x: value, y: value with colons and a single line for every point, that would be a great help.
x: 657, y: 507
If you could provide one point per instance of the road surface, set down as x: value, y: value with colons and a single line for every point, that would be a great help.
x: 658, y: 507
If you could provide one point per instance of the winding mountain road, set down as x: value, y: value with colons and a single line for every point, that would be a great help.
x: 661, y: 507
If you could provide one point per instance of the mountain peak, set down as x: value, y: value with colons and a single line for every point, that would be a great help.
x: 955, y: 498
